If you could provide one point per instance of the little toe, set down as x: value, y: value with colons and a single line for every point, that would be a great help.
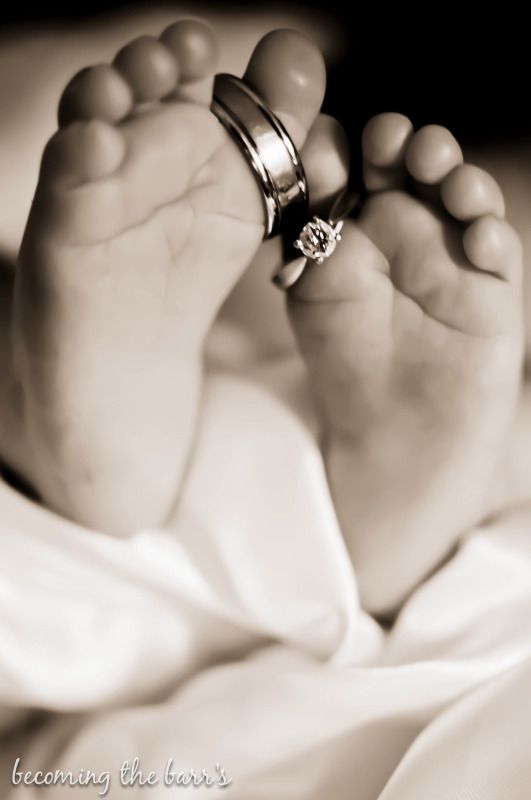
x: 83, y: 151
x: 384, y: 143
x: 492, y: 245
x: 195, y: 48
x: 98, y: 92
x: 469, y: 192
x: 288, y: 72
x: 432, y: 154
x: 149, y: 68
x: 326, y: 158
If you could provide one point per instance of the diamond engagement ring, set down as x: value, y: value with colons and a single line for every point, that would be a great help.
x: 316, y: 241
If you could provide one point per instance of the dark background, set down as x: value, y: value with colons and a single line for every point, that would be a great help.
x: 467, y: 69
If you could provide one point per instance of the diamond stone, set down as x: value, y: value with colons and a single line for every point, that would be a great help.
x: 318, y: 239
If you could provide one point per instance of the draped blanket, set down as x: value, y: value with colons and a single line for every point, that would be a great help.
x: 232, y: 645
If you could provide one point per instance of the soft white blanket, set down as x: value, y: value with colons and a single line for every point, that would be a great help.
x: 236, y: 636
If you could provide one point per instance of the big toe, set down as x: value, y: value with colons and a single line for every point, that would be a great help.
x: 326, y: 158
x: 288, y: 72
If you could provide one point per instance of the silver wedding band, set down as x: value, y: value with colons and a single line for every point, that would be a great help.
x: 269, y: 149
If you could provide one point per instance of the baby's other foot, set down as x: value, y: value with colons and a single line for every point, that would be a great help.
x: 412, y: 334
x: 145, y: 215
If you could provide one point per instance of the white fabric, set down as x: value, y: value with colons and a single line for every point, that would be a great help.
x: 236, y: 637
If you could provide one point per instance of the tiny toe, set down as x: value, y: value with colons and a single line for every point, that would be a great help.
x: 383, y: 142
x: 492, y: 245
x: 194, y: 47
x: 288, y: 71
x: 432, y: 153
x: 469, y: 192
x: 384, y: 139
x: 149, y: 67
x: 326, y: 158
x: 98, y: 92
x: 83, y: 151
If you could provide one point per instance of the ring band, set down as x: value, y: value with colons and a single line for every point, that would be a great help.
x: 269, y: 149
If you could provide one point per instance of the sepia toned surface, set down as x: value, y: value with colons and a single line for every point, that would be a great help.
x: 313, y: 618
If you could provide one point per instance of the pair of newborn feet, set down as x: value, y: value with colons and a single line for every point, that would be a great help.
x: 146, y: 215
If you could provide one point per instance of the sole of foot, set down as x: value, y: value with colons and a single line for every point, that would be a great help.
x: 145, y: 216
x: 412, y: 334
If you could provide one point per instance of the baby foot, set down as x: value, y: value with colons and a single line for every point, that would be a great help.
x: 412, y: 334
x: 145, y: 215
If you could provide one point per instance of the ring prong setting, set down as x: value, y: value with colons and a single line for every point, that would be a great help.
x: 318, y: 239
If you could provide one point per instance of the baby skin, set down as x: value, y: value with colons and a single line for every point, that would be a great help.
x: 413, y: 338
x: 145, y: 216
